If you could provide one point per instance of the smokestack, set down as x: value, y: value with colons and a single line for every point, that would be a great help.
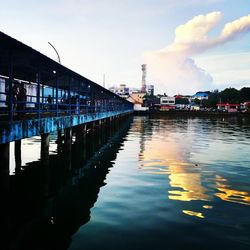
x: 144, y: 73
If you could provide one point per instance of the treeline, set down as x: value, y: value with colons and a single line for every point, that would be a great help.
x: 228, y: 95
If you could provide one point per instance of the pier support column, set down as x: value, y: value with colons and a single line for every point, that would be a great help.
x: 59, y: 141
x: 45, y: 149
x: 59, y: 135
x: 18, y: 158
x: 4, y: 189
x: 45, y: 162
x: 68, y: 139
x: 80, y: 133
x: 5, y: 167
x: 93, y: 126
x: 5, y: 157
x: 67, y: 148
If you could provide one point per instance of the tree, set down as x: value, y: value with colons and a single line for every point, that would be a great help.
x: 213, y: 99
x: 197, y: 101
x: 244, y: 94
x: 181, y: 101
x: 230, y: 95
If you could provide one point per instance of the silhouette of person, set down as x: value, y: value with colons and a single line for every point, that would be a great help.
x: 21, y: 99
x: 15, y: 91
x: 49, y: 101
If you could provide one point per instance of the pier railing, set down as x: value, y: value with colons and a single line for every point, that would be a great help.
x: 52, y: 102
x: 35, y: 86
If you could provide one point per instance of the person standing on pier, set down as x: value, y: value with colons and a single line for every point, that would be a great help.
x: 15, y: 91
x: 49, y: 101
x: 21, y: 99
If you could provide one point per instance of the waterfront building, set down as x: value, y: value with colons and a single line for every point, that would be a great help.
x: 228, y: 107
x: 122, y: 90
x: 200, y: 95
x: 167, y: 103
x: 167, y: 100
x: 150, y: 89
x: 137, y: 99
x: 246, y: 105
x: 181, y: 102
x: 194, y: 106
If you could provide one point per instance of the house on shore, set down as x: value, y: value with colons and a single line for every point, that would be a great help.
x: 200, y: 96
x: 228, y: 107
x: 167, y: 103
x: 137, y: 100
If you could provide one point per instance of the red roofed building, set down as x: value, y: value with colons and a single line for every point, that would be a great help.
x: 229, y: 107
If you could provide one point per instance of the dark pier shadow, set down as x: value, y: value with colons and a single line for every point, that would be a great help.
x: 48, y: 201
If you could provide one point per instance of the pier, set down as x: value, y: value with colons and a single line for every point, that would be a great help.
x: 39, y: 96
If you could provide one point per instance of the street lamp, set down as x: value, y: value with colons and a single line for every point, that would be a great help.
x: 58, y: 57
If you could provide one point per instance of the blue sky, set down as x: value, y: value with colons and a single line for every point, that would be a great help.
x: 115, y: 37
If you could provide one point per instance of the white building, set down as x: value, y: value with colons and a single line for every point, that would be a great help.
x: 122, y: 90
x: 150, y: 89
x: 167, y: 100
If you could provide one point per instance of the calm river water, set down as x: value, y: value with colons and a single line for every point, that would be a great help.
x: 147, y: 183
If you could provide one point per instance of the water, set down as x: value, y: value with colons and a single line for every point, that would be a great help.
x: 154, y: 183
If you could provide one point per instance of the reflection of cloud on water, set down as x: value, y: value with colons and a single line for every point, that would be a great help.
x: 188, y: 185
x: 192, y: 213
x: 226, y: 193
x: 172, y: 157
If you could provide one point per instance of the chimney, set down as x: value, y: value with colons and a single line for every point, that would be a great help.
x: 144, y: 73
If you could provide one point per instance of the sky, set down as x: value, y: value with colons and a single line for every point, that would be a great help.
x: 188, y: 45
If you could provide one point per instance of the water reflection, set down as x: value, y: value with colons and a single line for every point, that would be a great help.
x: 227, y: 193
x: 185, y: 152
x: 192, y: 213
x: 49, y: 202
x: 186, y: 183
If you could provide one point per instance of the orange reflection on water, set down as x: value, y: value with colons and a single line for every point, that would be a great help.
x: 170, y: 157
x: 207, y: 206
x: 188, y: 182
x: 229, y: 194
x: 192, y: 213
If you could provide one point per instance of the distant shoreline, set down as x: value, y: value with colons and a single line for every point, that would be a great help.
x: 193, y: 113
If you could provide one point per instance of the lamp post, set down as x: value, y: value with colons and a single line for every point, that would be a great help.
x: 59, y: 61
x: 58, y: 57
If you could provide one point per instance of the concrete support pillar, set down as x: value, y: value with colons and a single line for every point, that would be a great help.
x: 108, y: 121
x: 93, y: 126
x: 4, y: 189
x: 45, y: 162
x: 5, y: 166
x: 81, y: 133
x: 59, y: 141
x: 67, y: 147
x: 59, y: 135
x: 68, y: 139
x: 88, y: 127
x: 85, y: 129
x: 45, y: 149
x: 18, y: 158
x: 84, y: 144
x: 5, y: 157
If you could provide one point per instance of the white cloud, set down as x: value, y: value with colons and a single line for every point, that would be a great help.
x: 224, y: 66
x: 173, y: 66
x: 235, y: 28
